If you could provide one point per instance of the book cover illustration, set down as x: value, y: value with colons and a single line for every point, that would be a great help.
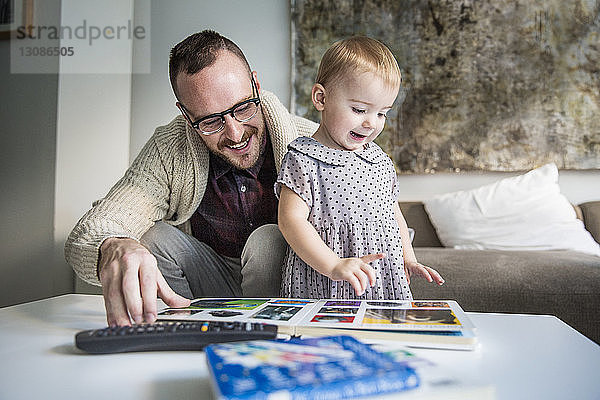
x: 335, y: 367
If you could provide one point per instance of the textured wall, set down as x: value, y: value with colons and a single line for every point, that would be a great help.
x: 490, y: 85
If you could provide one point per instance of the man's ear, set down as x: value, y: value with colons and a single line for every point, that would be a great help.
x: 178, y: 105
x: 318, y: 96
x: 255, y: 76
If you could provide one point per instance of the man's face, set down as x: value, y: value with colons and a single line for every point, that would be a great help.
x: 215, y: 89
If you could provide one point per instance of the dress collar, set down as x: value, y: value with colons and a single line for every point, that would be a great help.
x: 371, y: 153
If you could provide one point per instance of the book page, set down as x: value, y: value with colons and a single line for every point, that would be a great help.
x: 389, y: 315
x: 276, y: 311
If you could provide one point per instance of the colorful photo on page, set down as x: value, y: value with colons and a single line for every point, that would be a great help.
x: 338, y: 310
x: 410, y: 316
x: 225, y: 313
x: 291, y: 302
x: 333, y: 318
x: 182, y: 312
x: 279, y: 313
x: 388, y: 304
x: 238, y: 304
x: 430, y: 304
x: 342, y: 303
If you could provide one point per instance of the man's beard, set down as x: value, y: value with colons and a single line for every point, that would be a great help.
x: 247, y: 160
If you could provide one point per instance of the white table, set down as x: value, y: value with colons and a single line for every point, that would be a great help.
x: 524, y: 356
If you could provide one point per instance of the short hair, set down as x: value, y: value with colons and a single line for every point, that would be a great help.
x: 197, y: 52
x: 359, y: 54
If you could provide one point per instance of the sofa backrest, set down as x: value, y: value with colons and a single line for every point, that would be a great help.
x: 591, y: 218
x: 416, y: 217
x: 425, y: 235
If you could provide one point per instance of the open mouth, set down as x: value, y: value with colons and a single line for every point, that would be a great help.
x: 240, y: 146
x: 357, y: 136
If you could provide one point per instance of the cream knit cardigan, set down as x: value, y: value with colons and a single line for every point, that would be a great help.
x: 165, y: 182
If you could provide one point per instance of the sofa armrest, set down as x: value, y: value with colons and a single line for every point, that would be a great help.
x: 417, y: 218
x: 591, y: 218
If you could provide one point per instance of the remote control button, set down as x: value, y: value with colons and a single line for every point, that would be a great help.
x: 171, y: 335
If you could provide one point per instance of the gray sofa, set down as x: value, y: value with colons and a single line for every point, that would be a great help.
x: 565, y: 284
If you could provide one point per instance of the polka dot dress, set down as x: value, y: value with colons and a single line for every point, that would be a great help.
x: 350, y: 196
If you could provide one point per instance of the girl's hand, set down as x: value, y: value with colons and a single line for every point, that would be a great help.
x: 416, y: 268
x: 356, y: 271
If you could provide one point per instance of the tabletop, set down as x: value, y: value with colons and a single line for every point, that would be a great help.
x: 523, y: 356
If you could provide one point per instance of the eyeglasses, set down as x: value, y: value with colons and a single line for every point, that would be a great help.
x: 214, y: 123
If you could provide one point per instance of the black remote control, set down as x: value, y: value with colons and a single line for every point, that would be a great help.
x: 170, y: 335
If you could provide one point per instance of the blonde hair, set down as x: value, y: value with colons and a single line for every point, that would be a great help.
x: 359, y: 54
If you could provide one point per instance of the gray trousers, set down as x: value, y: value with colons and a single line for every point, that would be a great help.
x: 193, y: 269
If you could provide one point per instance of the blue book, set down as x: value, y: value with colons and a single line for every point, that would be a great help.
x: 328, y: 368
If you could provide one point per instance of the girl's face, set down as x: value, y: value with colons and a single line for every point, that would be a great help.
x: 353, y: 110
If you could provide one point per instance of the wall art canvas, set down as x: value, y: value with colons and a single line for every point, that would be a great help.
x: 488, y: 85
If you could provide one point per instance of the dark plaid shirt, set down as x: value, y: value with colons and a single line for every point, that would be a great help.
x: 235, y: 203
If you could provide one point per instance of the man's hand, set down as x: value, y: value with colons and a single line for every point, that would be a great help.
x: 428, y: 273
x: 131, y: 281
x: 356, y: 271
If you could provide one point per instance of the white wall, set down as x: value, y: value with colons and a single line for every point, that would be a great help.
x: 28, y: 132
x: 577, y: 186
x: 92, y: 141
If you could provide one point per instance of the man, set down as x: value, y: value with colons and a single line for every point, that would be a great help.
x: 210, y: 173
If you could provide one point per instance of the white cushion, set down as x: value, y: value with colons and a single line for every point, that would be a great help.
x: 525, y: 212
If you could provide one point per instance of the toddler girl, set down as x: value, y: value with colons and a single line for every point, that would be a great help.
x: 338, y: 190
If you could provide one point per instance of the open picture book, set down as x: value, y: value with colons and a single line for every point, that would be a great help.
x: 418, y: 323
